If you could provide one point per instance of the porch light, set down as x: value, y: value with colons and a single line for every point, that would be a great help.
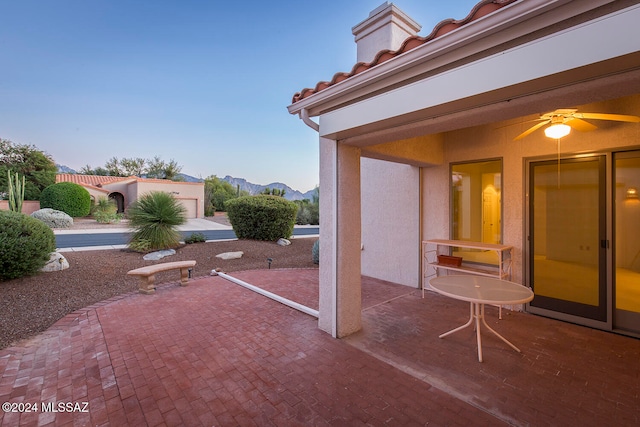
x: 557, y: 131
x: 632, y: 193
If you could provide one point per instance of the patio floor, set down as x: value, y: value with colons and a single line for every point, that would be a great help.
x: 214, y: 353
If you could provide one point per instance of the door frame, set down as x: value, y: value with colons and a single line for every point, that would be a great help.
x: 619, y: 154
x: 606, y: 222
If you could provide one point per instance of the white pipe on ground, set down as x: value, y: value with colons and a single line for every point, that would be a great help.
x: 282, y: 300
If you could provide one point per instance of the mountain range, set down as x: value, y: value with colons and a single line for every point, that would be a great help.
x: 251, y: 188
x: 290, y: 193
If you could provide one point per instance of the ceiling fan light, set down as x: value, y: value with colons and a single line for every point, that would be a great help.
x: 557, y: 131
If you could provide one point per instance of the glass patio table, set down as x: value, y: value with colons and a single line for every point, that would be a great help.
x: 478, y: 291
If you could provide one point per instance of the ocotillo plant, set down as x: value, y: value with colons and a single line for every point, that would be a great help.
x: 16, y: 192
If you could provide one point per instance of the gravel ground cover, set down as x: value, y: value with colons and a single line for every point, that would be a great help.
x: 30, y: 305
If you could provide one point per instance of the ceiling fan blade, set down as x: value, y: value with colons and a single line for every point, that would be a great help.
x: 531, y: 130
x: 614, y: 117
x: 580, y: 125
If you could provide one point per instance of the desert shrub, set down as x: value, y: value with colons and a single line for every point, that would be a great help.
x: 53, y: 218
x: 105, y: 211
x: 309, y: 210
x: 155, y: 217
x: 25, y: 244
x: 315, y: 252
x: 195, y: 238
x: 140, y: 245
x: 308, y: 213
x: 261, y: 217
x: 67, y: 197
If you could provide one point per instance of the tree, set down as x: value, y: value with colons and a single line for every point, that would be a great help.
x: 309, y: 210
x: 133, y: 167
x: 88, y: 170
x: 280, y: 192
x: 217, y: 192
x: 37, y: 167
x: 113, y: 167
x: 158, y: 168
x: 149, y: 168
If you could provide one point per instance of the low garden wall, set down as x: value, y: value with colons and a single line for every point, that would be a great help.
x: 28, y: 206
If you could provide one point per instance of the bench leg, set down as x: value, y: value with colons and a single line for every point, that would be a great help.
x: 184, y: 276
x: 147, y: 285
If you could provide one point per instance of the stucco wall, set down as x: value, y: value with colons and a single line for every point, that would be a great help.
x: 391, y: 221
x: 28, y: 206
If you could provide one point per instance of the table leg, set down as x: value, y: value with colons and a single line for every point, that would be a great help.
x: 479, y: 314
x: 459, y: 328
x: 497, y: 334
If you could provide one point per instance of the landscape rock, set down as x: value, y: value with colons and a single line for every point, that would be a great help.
x: 283, y: 242
x: 230, y: 255
x: 154, y: 256
x: 57, y: 262
x: 53, y: 218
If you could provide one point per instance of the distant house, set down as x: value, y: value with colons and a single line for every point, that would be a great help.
x: 429, y: 138
x: 125, y: 190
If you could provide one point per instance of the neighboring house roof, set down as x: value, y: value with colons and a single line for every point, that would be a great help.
x: 91, y: 180
x: 481, y: 9
x: 101, y: 181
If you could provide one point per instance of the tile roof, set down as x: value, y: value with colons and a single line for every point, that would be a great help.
x: 481, y: 9
x: 93, y: 180
x: 101, y: 181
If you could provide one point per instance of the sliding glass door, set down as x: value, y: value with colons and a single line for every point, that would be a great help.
x: 627, y: 243
x: 584, y: 240
x: 567, y: 237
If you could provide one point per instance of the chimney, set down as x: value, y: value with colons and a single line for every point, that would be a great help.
x: 385, y: 28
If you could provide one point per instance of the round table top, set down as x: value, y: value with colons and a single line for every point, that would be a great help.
x: 481, y: 289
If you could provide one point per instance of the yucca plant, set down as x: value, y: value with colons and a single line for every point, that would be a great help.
x: 16, y: 192
x: 155, y: 217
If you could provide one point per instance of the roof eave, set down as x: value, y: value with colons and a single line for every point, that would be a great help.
x: 444, y: 48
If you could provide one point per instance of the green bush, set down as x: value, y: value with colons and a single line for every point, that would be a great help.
x: 195, y: 238
x: 25, y: 244
x: 262, y: 217
x: 68, y: 197
x: 154, y: 218
x: 105, y: 211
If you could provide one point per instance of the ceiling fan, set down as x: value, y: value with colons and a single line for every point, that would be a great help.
x: 563, y: 120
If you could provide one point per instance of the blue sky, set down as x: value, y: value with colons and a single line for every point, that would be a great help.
x: 205, y: 83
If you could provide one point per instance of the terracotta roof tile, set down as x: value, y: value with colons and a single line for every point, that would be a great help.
x: 481, y: 9
x: 100, y: 180
x: 93, y: 180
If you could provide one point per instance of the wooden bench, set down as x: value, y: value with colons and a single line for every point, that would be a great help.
x: 147, y: 274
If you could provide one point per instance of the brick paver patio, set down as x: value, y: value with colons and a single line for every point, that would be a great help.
x: 216, y: 354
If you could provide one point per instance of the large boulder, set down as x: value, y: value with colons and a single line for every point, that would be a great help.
x: 230, y: 255
x: 57, y: 262
x: 53, y: 218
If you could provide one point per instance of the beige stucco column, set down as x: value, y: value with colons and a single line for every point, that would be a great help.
x: 340, y: 239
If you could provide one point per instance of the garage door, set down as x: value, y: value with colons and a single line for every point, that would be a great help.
x: 191, y: 205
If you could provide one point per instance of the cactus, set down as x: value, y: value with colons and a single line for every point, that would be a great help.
x: 16, y: 192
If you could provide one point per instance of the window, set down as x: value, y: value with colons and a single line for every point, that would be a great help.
x: 476, y: 201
